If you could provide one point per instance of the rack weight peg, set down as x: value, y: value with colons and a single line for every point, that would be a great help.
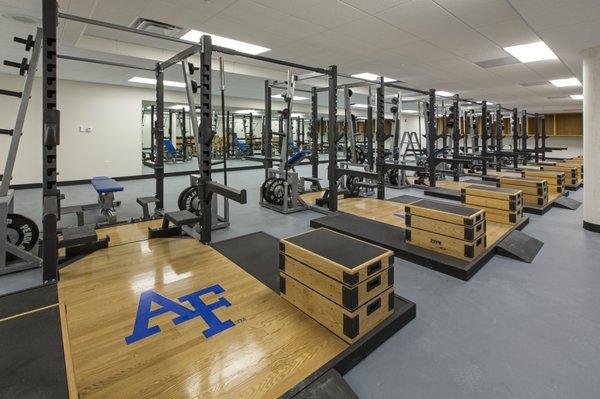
x: 192, y: 68
x: 29, y: 42
x: 23, y: 65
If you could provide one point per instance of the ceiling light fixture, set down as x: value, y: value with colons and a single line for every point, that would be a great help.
x: 149, y: 81
x: 295, y: 98
x: 531, y: 52
x: 247, y: 111
x: 243, y: 47
x: 409, y: 111
x: 443, y: 93
x: 569, y: 82
x: 372, y: 77
x: 359, y: 105
x: 577, y: 96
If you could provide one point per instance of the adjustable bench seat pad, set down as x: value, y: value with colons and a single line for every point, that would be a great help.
x: 170, y: 147
x: 297, y: 157
x: 105, y: 185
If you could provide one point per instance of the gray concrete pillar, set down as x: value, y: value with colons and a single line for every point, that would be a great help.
x: 591, y: 139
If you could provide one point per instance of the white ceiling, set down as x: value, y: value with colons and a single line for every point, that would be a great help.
x: 425, y: 43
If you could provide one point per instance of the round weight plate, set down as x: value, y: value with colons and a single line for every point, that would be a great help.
x: 191, y: 201
x: 22, y: 232
x: 351, y: 186
x: 181, y: 198
x: 276, y: 192
x: 393, y: 176
x: 265, y: 187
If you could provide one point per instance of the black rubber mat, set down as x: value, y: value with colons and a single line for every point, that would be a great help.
x: 405, y: 199
x: 330, y: 385
x: 25, y: 301
x: 445, y: 193
x: 32, y: 364
x: 256, y: 253
x: 566, y: 203
x: 447, y: 207
x: 483, y: 182
x: 327, y: 244
x: 520, y: 246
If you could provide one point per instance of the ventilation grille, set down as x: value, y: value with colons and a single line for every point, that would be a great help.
x: 150, y: 25
x: 558, y: 97
x: 496, y: 62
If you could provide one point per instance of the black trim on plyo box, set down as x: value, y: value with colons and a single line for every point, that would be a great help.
x: 281, y: 261
x: 350, y: 279
x: 390, y: 276
x: 351, y: 326
x: 282, y: 284
x: 593, y: 227
x: 349, y: 297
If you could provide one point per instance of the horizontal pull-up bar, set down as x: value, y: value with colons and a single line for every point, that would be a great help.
x: 102, y: 62
x: 219, y: 49
x: 229, y: 51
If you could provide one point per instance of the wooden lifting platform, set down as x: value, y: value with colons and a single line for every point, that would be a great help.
x: 174, y: 318
x: 383, y: 223
x: 533, y: 202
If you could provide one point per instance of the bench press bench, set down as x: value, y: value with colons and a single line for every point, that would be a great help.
x: 106, y: 187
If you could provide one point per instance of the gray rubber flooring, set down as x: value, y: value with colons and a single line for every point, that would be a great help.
x: 515, y: 330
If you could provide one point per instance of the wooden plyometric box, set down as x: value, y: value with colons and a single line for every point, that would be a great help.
x: 485, y: 202
x: 336, y: 255
x: 505, y: 217
x: 536, y: 199
x: 506, y: 194
x: 460, y: 231
x: 443, y: 211
x: 446, y: 245
x: 346, y: 296
x: 348, y: 325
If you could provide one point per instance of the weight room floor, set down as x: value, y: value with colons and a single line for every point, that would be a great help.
x: 176, y: 362
x: 514, y: 330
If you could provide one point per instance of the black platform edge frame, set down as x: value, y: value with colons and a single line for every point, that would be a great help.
x: 356, y: 352
x: 593, y: 227
x: 434, y: 264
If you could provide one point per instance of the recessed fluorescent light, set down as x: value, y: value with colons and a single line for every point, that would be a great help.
x: 148, y: 81
x: 409, y: 111
x: 359, y: 105
x: 243, y: 47
x: 297, y: 115
x: 570, y: 82
x: 295, y: 98
x: 247, y: 111
x: 443, y: 93
x: 372, y: 77
x: 531, y: 52
x: 577, y: 96
x: 181, y: 106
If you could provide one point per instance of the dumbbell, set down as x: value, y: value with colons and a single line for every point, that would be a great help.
x: 23, y: 66
x: 29, y: 42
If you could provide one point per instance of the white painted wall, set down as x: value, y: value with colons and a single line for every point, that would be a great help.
x: 113, y: 148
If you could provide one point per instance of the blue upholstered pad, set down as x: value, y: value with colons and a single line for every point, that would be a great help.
x: 104, y: 185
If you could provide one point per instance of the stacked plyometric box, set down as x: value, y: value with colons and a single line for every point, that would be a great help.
x: 535, y: 191
x: 555, y: 179
x: 450, y: 229
x: 573, y: 172
x: 502, y: 205
x: 345, y: 284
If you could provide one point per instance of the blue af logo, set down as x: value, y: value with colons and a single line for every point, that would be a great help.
x: 142, y: 328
